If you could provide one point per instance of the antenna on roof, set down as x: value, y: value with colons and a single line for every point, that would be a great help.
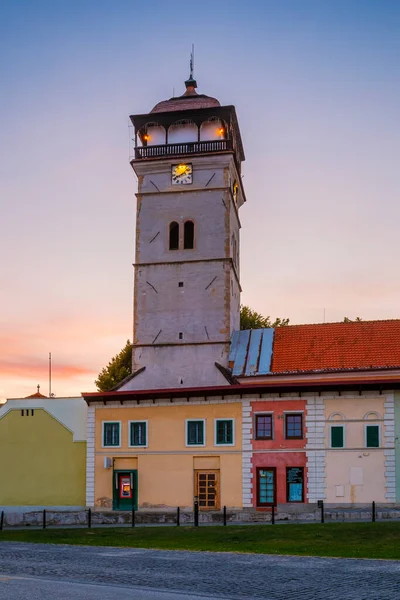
x: 49, y: 374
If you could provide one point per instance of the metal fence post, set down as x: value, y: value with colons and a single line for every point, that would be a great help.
x: 273, y: 515
x: 373, y: 512
x: 89, y: 518
x: 178, y: 516
x: 224, y: 515
x: 196, y: 513
x: 2, y: 520
x: 44, y: 518
x: 321, y: 506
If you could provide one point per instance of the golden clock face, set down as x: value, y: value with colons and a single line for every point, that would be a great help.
x: 235, y: 190
x: 182, y: 174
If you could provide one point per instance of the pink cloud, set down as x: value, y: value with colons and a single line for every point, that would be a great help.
x: 28, y: 368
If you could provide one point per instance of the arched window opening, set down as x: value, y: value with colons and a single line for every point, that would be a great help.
x: 188, y: 235
x: 183, y: 131
x: 213, y: 129
x: 152, y: 134
x: 174, y: 236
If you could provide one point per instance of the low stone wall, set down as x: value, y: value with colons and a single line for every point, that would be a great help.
x: 299, y: 513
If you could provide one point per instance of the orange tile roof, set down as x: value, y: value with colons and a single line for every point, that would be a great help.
x: 336, y: 346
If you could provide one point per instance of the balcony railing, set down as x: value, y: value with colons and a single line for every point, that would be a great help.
x: 183, y: 148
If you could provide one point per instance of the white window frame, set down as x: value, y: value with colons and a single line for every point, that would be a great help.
x: 380, y: 435
x: 102, y: 433
x: 233, y: 431
x: 204, y: 434
x: 336, y: 424
x: 263, y: 414
x: 145, y: 421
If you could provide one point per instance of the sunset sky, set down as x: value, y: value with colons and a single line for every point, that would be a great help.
x: 316, y: 87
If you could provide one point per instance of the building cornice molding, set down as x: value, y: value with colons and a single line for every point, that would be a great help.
x: 297, y: 386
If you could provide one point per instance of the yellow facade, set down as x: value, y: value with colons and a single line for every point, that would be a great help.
x: 41, y: 464
x: 167, y: 467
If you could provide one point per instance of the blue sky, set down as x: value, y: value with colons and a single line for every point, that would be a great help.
x: 316, y: 86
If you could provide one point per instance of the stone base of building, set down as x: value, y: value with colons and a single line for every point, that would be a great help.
x: 300, y: 513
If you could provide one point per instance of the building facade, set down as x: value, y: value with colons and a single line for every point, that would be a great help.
x: 243, y: 419
x: 43, y: 444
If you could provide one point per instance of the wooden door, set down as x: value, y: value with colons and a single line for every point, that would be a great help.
x: 207, y: 489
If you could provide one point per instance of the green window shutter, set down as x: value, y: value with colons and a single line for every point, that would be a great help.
x: 138, y: 434
x: 195, y: 433
x: 224, y: 431
x: 337, y: 436
x: 111, y: 434
x: 372, y: 436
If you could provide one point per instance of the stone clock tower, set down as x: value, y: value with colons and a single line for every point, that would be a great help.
x: 188, y: 154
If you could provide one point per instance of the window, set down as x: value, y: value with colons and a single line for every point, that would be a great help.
x: 224, y: 432
x: 174, y: 236
x: 188, y: 235
x: 372, y: 436
x: 138, y: 433
x: 337, y: 436
x: 263, y: 427
x: 111, y: 434
x: 266, y: 487
x: 294, y: 427
x: 294, y: 484
x: 195, y: 433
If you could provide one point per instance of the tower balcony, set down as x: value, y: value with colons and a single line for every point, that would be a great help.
x: 183, y: 148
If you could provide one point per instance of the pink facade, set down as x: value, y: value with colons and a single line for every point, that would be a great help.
x: 275, y: 459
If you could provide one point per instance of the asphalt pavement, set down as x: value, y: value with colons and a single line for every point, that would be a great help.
x: 57, y: 572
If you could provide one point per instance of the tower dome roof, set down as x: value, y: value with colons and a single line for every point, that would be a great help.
x: 188, y: 101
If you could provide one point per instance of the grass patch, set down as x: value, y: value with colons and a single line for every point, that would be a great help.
x: 349, y: 540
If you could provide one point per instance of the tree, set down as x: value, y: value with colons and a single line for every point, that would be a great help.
x: 117, y: 369
x: 250, y: 319
x: 356, y: 320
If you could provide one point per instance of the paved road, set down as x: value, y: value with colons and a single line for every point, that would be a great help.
x: 56, y: 572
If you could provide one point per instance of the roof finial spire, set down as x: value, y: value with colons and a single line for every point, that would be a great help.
x: 191, y: 83
x: 191, y: 62
x: 38, y: 388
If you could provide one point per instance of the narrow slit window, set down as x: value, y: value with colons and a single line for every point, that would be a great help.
x: 188, y: 237
x: 174, y: 236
